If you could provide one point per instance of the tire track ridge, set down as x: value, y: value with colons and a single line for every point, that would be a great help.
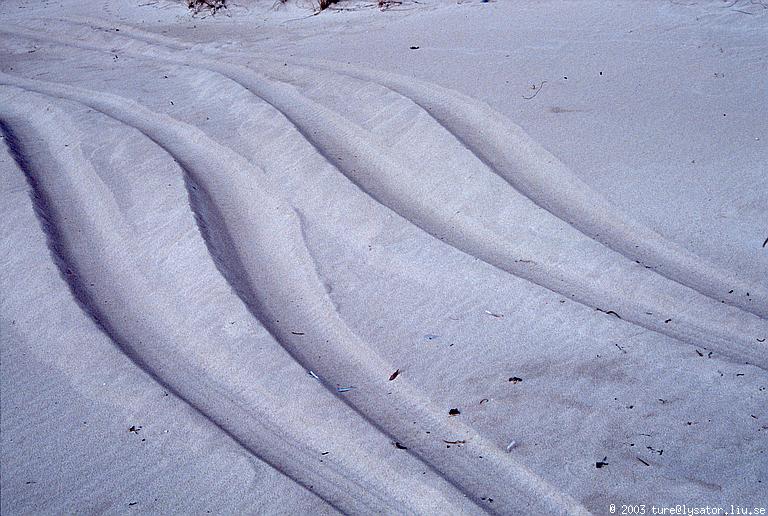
x: 86, y: 233
x: 487, y: 134
x: 344, y: 145
x: 536, y: 173
x: 349, y: 148
x: 283, y: 307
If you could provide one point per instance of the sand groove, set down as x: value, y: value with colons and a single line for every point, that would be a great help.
x: 93, y: 246
x: 335, y: 288
x: 536, y: 173
x: 669, y: 308
x: 286, y: 295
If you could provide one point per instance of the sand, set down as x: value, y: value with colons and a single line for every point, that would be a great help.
x: 502, y: 257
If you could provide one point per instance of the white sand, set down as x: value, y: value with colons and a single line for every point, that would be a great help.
x: 549, y: 216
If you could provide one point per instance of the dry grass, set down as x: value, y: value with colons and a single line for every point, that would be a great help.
x: 321, y: 5
x: 206, y: 5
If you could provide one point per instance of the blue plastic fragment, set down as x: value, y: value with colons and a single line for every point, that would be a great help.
x: 344, y: 389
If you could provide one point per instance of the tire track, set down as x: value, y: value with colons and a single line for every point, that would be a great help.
x: 285, y: 294
x: 673, y: 311
x: 533, y: 171
x: 93, y: 248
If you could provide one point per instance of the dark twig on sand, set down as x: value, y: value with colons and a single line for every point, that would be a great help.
x: 537, y: 90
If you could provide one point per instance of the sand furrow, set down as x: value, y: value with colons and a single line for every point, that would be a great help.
x: 532, y: 170
x: 543, y: 178
x: 284, y: 292
x: 93, y: 247
x: 631, y: 292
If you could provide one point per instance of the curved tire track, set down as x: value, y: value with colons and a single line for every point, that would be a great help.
x: 284, y: 292
x: 687, y: 316
x: 93, y: 245
x: 368, y: 166
x: 532, y: 170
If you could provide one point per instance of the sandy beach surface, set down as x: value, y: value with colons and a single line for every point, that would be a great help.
x: 438, y: 257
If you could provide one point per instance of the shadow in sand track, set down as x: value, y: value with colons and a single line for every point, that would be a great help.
x: 669, y: 308
x: 46, y: 216
x: 90, y: 237
x: 520, y: 161
x: 285, y: 293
